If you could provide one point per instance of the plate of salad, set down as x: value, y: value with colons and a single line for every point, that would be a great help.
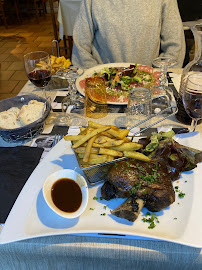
x: 120, y: 78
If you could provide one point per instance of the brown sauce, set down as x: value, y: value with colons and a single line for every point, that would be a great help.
x: 66, y: 195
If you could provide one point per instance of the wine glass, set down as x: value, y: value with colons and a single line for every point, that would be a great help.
x: 192, y: 98
x: 71, y: 73
x: 163, y: 63
x: 72, y: 100
x: 38, y: 68
x: 162, y: 91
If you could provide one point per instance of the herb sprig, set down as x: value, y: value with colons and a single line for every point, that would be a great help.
x: 153, y: 218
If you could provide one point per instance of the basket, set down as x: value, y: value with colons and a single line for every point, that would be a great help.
x: 97, y: 173
x: 28, y: 132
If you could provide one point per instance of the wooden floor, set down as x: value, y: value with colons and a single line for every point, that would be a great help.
x: 16, y: 41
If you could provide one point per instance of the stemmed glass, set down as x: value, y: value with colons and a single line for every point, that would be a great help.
x: 72, y: 100
x: 192, y: 98
x: 162, y: 92
x: 163, y: 63
x: 71, y: 74
x: 38, y: 68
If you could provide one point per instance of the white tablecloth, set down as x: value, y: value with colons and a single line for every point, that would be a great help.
x: 67, y: 13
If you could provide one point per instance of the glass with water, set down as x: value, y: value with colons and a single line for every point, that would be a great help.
x: 139, y: 106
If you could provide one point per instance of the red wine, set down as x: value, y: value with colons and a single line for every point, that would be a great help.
x: 40, y: 77
x: 193, y: 104
x: 181, y: 114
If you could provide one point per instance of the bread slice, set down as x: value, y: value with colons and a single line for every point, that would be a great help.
x: 8, y: 120
x: 31, y: 112
x: 14, y: 109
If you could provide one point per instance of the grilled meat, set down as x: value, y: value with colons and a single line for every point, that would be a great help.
x: 129, y: 209
x: 148, y: 181
x: 149, y: 184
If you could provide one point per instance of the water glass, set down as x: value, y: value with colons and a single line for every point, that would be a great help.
x: 139, y: 106
x: 95, y: 98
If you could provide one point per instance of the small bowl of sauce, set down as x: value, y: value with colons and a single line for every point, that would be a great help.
x: 66, y: 193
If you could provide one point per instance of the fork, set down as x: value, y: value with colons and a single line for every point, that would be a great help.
x: 57, y: 138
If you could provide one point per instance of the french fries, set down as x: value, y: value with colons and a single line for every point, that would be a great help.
x: 98, y: 143
x: 73, y: 137
x: 128, y: 146
x: 109, y: 143
x: 110, y: 152
x: 136, y: 155
x: 59, y: 62
x: 88, y: 136
x: 82, y: 149
x: 56, y: 63
x: 88, y: 149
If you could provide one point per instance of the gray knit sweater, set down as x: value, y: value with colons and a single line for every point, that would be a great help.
x: 108, y: 31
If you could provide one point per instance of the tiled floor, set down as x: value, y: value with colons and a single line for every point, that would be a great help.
x: 16, y: 41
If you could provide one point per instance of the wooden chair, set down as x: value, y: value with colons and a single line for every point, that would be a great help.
x: 68, y: 49
x: 39, y: 7
x: 4, y: 14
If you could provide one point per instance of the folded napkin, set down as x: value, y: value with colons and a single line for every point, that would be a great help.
x: 16, y: 165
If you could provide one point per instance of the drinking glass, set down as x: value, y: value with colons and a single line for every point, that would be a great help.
x: 95, y: 98
x: 192, y: 98
x: 38, y: 68
x: 163, y: 63
x: 71, y: 73
x: 139, y: 106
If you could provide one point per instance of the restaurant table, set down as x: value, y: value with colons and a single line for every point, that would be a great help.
x: 98, y: 252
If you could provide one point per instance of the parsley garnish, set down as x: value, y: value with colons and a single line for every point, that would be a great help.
x: 151, y: 220
x: 132, y: 191
x: 128, y: 164
x: 181, y: 194
x: 95, y: 198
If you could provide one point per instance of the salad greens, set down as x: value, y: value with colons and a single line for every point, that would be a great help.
x: 156, y: 138
x: 124, y: 78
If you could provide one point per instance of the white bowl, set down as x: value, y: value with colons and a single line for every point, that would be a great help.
x: 79, y: 179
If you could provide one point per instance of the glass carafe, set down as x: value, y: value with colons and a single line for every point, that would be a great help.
x: 194, y: 66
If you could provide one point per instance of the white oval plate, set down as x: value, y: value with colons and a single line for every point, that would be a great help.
x: 89, y: 72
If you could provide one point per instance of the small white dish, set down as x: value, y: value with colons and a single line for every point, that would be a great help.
x: 70, y: 174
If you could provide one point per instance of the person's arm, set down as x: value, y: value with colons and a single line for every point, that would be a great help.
x: 172, y: 33
x: 83, y: 35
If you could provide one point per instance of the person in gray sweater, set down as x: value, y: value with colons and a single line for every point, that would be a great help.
x: 135, y: 31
